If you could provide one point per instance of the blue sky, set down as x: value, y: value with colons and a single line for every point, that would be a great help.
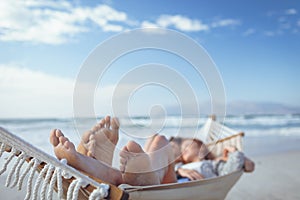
x: 255, y: 45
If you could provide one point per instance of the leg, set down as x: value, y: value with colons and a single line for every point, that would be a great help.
x: 63, y: 148
x: 100, y: 142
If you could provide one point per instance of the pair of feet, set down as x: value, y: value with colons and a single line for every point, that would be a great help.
x: 95, y: 153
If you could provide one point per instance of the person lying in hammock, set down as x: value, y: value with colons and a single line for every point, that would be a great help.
x: 95, y: 152
x: 195, y: 162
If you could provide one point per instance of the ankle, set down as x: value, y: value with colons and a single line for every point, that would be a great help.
x: 116, y: 176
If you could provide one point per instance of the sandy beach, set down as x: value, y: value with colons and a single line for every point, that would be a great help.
x: 276, y: 177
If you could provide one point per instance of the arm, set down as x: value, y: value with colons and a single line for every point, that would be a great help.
x: 226, y: 151
x: 189, y: 173
x: 249, y: 165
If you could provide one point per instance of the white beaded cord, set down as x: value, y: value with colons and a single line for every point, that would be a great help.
x: 30, y: 178
x: 99, y: 193
x: 46, y: 181
x: 13, y: 170
x: 51, y: 185
x: 38, y: 182
x: 71, y: 189
x: 65, y: 174
x: 20, y: 182
x: 23, y: 159
x: 7, y: 162
x: 104, y: 189
x: 95, y: 194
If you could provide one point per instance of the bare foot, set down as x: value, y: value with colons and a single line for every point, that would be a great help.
x: 162, y: 158
x: 136, y: 166
x: 149, y: 142
x: 64, y: 149
x: 100, y: 142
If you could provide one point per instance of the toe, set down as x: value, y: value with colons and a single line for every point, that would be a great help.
x: 96, y: 128
x: 91, y: 138
x: 58, y: 133
x: 107, y: 121
x: 134, y: 147
x: 62, y: 140
x: 102, y: 123
x: 124, y: 153
x: 69, y: 145
x: 86, y: 136
x: 53, y: 139
x: 115, y: 124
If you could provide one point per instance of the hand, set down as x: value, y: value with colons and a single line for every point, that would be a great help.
x: 190, y: 173
x: 226, y: 150
x: 249, y: 165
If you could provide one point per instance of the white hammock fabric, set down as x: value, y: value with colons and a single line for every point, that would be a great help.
x: 53, y: 174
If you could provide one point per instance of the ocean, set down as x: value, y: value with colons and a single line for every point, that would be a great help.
x: 263, y: 133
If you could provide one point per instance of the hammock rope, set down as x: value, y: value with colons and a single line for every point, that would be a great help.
x: 17, y: 173
x: 59, y: 184
x: 2, y: 149
x: 20, y: 182
x: 70, y: 190
x: 53, y: 171
x: 39, y: 181
x: 30, y: 179
x: 13, y: 170
x: 46, y: 181
x: 51, y: 185
x: 4, y: 168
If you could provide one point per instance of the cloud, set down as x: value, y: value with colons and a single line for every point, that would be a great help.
x: 53, y: 22
x: 225, y: 22
x: 291, y: 11
x: 284, y: 22
x: 298, y: 23
x: 270, y: 33
x: 186, y: 24
x: 249, y: 31
x: 179, y: 22
x: 28, y: 93
x: 58, y: 22
x: 147, y: 24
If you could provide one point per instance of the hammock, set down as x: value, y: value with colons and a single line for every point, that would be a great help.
x: 70, y: 183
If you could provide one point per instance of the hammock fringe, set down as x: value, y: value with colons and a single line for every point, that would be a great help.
x: 53, y: 171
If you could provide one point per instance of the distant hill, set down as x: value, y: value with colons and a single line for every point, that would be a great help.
x: 241, y: 107
x: 247, y: 107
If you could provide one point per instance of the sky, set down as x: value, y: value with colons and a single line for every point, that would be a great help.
x: 43, y: 44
